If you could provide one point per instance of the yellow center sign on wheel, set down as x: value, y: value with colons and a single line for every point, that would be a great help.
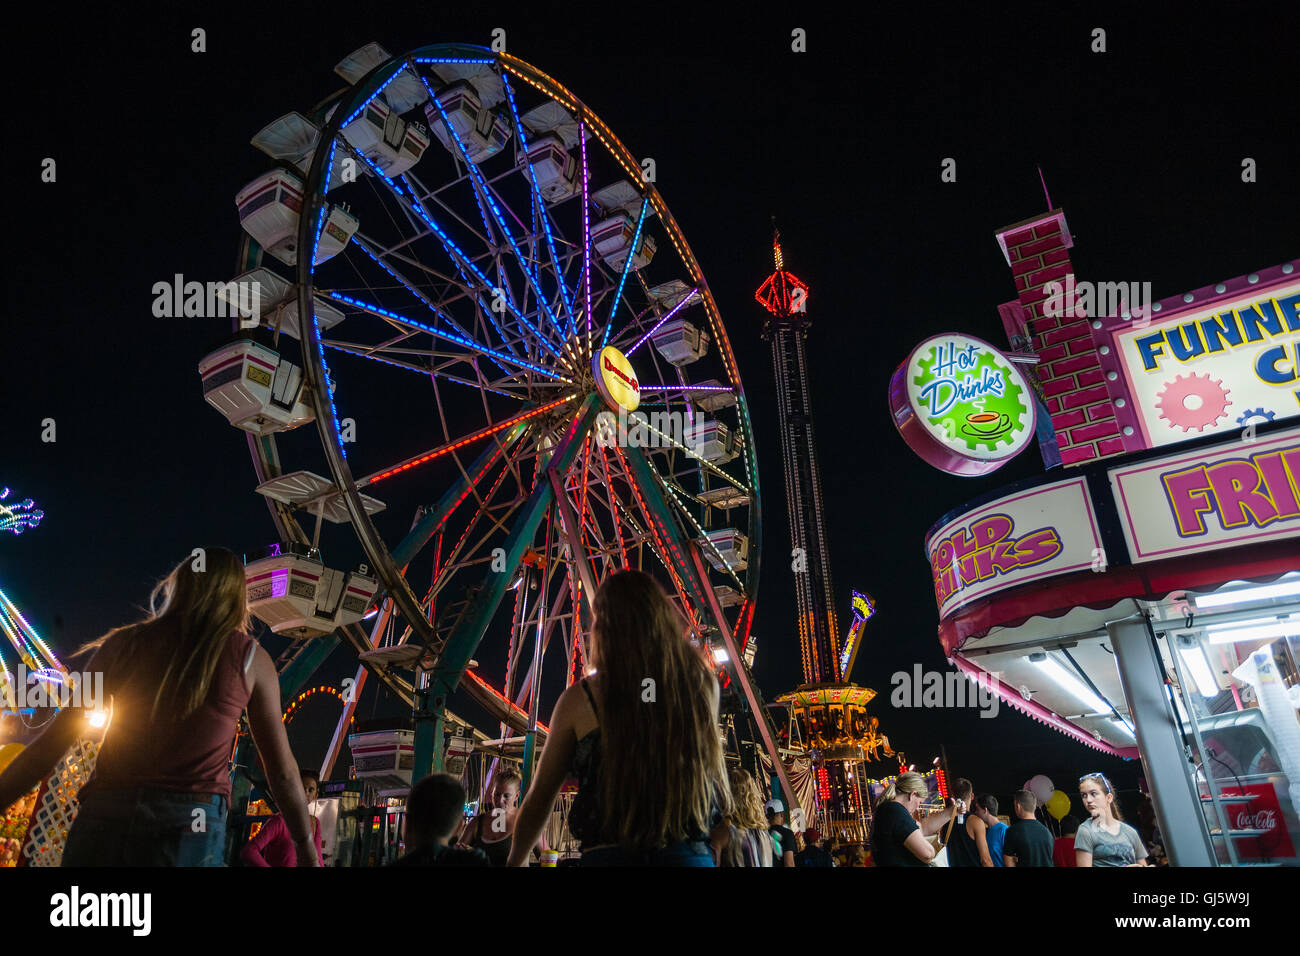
x: 616, y: 381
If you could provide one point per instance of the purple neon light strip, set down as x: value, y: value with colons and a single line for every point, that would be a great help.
x: 690, y: 296
x: 586, y: 226
x: 686, y: 388
x: 627, y: 267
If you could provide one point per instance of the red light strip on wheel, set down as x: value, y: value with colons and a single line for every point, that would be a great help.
x: 467, y: 440
x: 609, y: 485
x: 664, y: 550
x: 510, y: 707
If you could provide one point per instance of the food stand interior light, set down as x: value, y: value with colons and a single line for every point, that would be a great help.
x: 720, y: 655
x: 1194, y: 660
x: 1267, y: 592
x: 1263, y: 629
x: 1070, y: 684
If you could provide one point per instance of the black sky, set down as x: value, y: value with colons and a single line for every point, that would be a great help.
x: 1141, y: 145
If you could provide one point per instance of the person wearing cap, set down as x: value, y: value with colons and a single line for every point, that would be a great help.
x: 813, y: 853
x: 781, y: 833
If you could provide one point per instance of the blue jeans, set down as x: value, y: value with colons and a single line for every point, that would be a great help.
x: 148, y: 827
x: 681, y: 853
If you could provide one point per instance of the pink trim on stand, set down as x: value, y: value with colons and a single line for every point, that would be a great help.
x: 1259, y: 563
x: 1038, y: 712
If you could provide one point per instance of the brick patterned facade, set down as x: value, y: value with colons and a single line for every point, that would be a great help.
x: 1069, y: 369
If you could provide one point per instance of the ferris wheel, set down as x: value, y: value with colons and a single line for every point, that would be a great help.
x: 476, y: 293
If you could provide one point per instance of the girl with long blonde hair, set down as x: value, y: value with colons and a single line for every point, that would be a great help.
x: 641, y: 734
x: 178, y: 681
x: 746, y: 841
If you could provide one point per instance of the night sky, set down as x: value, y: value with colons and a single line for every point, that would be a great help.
x: 1141, y: 146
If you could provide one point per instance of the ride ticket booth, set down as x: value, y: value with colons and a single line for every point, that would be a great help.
x: 1143, y: 596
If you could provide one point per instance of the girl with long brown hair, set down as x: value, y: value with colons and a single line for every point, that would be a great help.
x: 178, y: 681
x: 1105, y: 839
x: 641, y: 735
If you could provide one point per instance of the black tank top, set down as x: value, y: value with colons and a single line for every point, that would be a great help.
x: 962, y: 849
x: 585, y: 816
x: 497, y: 852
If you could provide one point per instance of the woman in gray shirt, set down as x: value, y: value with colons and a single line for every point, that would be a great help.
x: 1105, y: 839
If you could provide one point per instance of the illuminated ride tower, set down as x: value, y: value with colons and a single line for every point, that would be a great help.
x: 830, y: 713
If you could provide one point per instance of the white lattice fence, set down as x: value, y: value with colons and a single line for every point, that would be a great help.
x: 58, y: 806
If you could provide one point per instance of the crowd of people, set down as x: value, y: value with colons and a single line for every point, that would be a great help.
x: 639, y: 733
x: 968, y: 833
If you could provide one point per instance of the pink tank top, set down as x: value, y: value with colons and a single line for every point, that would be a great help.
x: 190, y: 755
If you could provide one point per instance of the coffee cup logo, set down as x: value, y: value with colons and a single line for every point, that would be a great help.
x: 987, y: 424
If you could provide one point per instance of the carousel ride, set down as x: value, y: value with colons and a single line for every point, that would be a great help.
x: 454, y: 279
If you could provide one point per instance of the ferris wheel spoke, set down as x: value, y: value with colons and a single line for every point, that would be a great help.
x: 369, y: 353
x: 472, y: 625
x: 586, y: 227
x: 676, y: 497
x: 613, y: 506
x: 415, y: 291
x: 686, y: 300
x: 406, y: 196
x: 539, y: 204
x: 484, y: 196
x: 381, y: 312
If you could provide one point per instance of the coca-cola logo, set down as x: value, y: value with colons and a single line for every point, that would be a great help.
x: 1259, y: 820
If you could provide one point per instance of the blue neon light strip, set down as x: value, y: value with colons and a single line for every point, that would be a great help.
x: 360, y: 109
x: 627, y: 267
x: 414, y: 206
x: 420, y: 295
x: 537, y: 196
x: 375, y: 358
x: 486, y: 310
x: 486, y: 194
x: 442, y: 334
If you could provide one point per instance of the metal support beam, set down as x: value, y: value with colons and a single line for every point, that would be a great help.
x: 464, y: 640
x: 1160, y: 741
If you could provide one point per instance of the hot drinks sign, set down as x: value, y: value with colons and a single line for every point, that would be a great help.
x: 962, y: 405
x: 1033, y: 534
